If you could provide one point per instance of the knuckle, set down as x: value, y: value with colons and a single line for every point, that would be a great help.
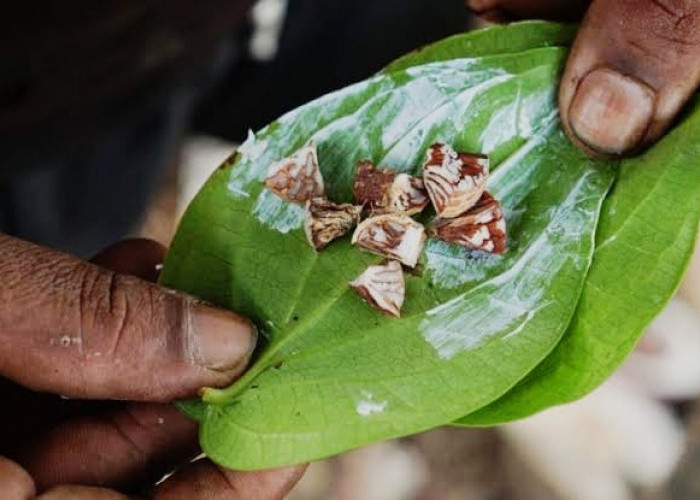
x: 122, y: 315
x: 94, y: 296
x: 105, y: 303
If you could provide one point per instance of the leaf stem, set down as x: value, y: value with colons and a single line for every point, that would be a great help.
x: 269, y: 358
x: 215, y: 396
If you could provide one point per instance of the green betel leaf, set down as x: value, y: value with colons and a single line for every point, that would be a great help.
x: 490, y: 337
x: 493, y: 40
x: 646, y: 236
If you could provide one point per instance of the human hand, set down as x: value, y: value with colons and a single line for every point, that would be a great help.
x: 72, y: 328
x: 633, y: 66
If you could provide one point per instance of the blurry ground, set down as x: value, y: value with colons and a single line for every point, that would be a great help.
x: 636, y: 437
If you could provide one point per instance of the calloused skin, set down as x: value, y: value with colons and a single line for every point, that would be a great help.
x: 633, y: 66
x: 105, y: 332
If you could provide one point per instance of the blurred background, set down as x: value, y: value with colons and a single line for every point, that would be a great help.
x: 113, y: 114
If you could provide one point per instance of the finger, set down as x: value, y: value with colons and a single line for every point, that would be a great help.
x: 125, y: 449
x: 138, y: 257
x: 632, y: 67
x: 15, y: 483
x: 563, y: 10
x: 205, y: 481
x: 71, y: 492
x: 76, y: 329
x: 34, y: 411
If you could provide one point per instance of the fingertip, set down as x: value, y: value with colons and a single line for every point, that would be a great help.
x: 631, y: 69
x: 273, y: 483
x: 172, y: 348
x: 609, y: 112
x: 214, y: 347
x: 15, y: 482
x: 221, y: 340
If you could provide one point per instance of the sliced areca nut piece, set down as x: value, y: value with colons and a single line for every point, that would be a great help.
x: 326, y: 221
x: 297, y: 178
x: 395, y: 236
x: 454, y: 181
x: 371, y: 184
x: 385, y: 191
x: 383, y: 286
x: 406, y: 195
x: 483, y: 227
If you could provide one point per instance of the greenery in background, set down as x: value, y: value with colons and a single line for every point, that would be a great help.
x: 595, y: 251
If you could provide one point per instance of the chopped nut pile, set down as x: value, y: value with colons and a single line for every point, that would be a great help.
x: 454, y: 182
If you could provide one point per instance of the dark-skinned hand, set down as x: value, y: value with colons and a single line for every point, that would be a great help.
x: 118, y: 349
x: 633, y: 66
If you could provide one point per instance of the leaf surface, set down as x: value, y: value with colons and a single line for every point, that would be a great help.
x: 646, y: 236
x: 478, y: 336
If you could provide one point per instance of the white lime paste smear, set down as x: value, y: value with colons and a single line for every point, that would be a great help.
x: 515, y: 296
x: 368, y: 406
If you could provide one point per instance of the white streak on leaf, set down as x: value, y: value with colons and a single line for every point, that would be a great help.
x: 253, y: 148
x: 238, y: 190
x: 504, y: 304
x: 251, y: 152
x: 522, y: 118
x: 278, y: 214
x: 502, y: 127
x: 368, y: 405
x: 407, y: 149
x: 453, y: 265
x: 507, y: 179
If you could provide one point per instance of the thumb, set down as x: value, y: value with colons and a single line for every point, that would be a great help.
x: 73, y: 328
x: 632, y: 67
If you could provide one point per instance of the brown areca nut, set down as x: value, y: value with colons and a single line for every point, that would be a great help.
x: 383, y: 286
x: 454, y: 181
x: 386, y: 191
x: 395, y: 236
x: 482, y: 227
x: 297, y: 178
x: 326, y: 221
